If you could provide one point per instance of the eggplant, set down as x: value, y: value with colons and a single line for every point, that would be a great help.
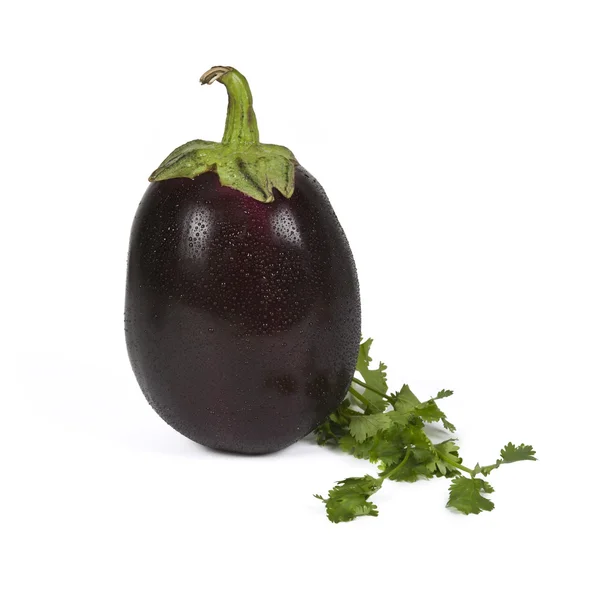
x: 242, y: 309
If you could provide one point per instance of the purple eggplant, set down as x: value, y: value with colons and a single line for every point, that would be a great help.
x: 242, y: 312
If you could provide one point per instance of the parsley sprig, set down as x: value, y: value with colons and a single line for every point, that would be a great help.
x: 391, y: 431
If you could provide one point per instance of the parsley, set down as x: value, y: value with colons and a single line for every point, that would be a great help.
x: 466, y: 495
x: 348, y: 499
x: 362, y: 427
x: 390, y: 430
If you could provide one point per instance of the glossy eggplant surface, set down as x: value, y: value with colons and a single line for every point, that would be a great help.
x: 242, y: 317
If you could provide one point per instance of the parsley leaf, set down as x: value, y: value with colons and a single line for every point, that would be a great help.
x: 360, y: 450
x: 448, y: 425
x: 430, y: 412
x: 466, y: 495
x: 405, y: 399
x: 348, y: 499
x: 365, y: 426
x: 511, y: 453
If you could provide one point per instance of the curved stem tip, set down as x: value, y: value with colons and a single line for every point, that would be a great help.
x: 240, y: 126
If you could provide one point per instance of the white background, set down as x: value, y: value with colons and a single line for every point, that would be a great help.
x: 459, y: 143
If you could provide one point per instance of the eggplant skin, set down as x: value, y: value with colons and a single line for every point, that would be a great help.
x: 242, y: 319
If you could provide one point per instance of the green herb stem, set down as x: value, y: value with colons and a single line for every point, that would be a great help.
x: 458, y: 466
x: 471, y: 472
x: 360, y: 397
x: 399, y: 466
x: 371, y: 389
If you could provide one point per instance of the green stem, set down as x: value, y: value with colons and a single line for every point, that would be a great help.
x: 240, y: 126
x: 471, y: 472
x: 360, y: 397
x: 398, y: 467
x: 458, y: 466
x: 368, y: 387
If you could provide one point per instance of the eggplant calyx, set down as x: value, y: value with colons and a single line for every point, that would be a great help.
x: 240, y: 160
